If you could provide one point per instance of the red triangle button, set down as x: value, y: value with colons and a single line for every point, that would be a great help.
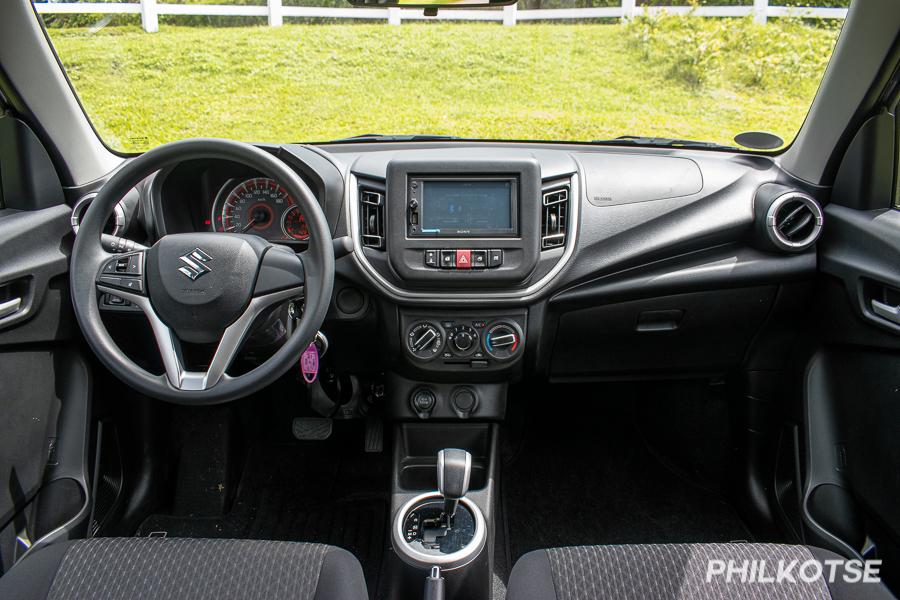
x: 463, y: 259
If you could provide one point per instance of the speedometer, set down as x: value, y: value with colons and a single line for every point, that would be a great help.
x: 260, y: 206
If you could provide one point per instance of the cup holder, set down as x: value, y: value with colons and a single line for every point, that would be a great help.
x: 422, y: 540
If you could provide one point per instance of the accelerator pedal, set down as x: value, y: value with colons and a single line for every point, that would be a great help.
x: 311, y: 428
x: 374, y: 435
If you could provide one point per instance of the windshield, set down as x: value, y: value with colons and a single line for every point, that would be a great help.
x: 313, y: 80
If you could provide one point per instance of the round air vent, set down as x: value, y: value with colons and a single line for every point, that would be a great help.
x: 794, y: 221
x: 113, y: 226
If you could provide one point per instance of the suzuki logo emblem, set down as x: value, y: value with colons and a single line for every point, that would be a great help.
x: 195, y: 264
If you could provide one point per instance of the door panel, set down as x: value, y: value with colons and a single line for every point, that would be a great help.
x: 852, y: 382
x: 44, y: 380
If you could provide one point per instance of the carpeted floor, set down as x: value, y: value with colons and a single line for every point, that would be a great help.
x: 591, y: 477
x: 329, y: 492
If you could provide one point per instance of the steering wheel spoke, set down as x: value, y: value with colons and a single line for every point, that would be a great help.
x: 169, y: 345
x: 120, y: 273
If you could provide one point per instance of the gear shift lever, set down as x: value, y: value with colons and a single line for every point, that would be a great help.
x: 454, y: 467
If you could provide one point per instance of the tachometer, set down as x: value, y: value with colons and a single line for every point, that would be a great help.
x: 260, y: 206
x: 293, y: 224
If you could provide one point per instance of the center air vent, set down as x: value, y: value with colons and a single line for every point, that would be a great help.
x: 794, y: 221
x: 371, y: 218
x: 555, y: 218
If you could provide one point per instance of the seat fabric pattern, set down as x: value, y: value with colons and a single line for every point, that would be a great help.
x: 675, y: 572
x: 199, y: 569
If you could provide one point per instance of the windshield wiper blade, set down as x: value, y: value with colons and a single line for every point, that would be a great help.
x: 379, y: 137
x: 634, y: 140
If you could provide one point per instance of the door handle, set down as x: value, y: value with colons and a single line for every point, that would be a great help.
x: 886, y: 311
x: 10, y: 307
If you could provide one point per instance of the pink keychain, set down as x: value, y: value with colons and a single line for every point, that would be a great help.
x: 309, y: 363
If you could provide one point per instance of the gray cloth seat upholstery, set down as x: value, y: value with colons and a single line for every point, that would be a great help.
x: 175, y: 568
x: 675, y: 572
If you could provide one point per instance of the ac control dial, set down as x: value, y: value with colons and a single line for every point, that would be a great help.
x: 424, y: 340
x: 503, y: 340
x: 463, y: 339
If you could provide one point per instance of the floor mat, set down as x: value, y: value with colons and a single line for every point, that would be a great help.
x: 593, y: 480
x: 303, y: 491
x: 355, y: 526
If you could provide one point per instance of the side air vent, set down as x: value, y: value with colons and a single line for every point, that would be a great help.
x: 113, y: 226
x: 371, y: 218
x: 555, y: 221
x: 794, y: 221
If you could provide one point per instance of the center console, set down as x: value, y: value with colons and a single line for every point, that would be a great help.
x: 442, y: 505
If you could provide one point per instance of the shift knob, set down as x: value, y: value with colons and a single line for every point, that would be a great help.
x: 454, y: 467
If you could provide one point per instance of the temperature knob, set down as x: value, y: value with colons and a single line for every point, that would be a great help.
x: 424, y: 340
x: 503, y: 340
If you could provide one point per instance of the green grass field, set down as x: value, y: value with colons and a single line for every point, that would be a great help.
x: 316, y: 82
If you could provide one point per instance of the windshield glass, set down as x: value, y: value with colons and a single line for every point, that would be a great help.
x: 684, y: 76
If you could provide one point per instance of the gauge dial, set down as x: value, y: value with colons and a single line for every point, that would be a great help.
x: 293, y: 224
x: 260, y: 206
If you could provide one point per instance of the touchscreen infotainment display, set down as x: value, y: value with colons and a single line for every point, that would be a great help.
x: 468, y: 208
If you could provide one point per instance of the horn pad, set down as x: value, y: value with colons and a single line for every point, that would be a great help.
x: 200, y: 283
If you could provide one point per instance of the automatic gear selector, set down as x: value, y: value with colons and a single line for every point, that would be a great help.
x: 442, y: 528
x: 454, y: 469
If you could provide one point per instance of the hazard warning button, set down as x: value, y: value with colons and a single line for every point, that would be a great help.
x: 463, y: 259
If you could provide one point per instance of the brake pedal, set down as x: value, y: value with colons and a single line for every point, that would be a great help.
x: 311, y: 428
x: 374, y: 435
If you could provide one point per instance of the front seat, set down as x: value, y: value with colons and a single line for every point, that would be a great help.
x: 176, y: 568
x: 678, y: 572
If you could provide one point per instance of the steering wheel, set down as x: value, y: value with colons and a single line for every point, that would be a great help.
x: 201, y: 287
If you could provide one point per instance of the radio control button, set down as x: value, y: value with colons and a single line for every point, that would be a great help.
x: 463, y: 259
x: 432, y: 258
x: 479, y: 259
x: 495, y: 258
x: 448, y: 259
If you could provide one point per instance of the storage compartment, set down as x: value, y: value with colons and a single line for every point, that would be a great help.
x: 420, y: 443
x: 701, y: 332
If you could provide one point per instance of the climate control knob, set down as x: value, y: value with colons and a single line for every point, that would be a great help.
x: 424, y: 340
x: 463, y: 339
x: 503, y: 340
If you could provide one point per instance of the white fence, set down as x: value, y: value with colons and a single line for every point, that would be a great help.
x: 275, y: 12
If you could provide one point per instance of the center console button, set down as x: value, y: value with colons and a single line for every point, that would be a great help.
x: 448, y: 259
x: 495, y: 258
x: 463, y: 259
x: 432, y: 258
x: 479, y: 259
x: 423, y: 400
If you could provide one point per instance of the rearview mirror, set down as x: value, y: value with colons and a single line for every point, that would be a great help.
x: 430, y: 5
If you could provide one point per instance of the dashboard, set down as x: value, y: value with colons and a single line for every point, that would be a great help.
x: 486, y: 261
